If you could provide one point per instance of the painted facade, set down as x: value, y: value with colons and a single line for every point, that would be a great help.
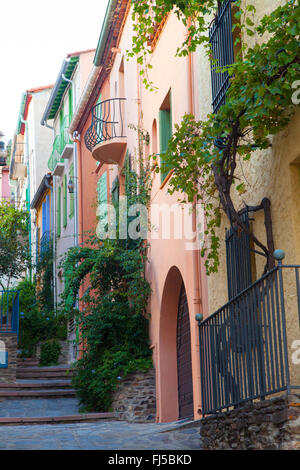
x: 62, y: 162
x: 103, y: 87
x: 173, y: 270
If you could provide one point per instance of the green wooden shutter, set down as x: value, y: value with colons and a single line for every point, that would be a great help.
x: 102, y: 195
x: 59, y: 211
x: 115, y: 191
x: 61, y: 118
x: 70, y: 103
x: 65, y: 203
x: 165, y: 134
x: 71, y: 176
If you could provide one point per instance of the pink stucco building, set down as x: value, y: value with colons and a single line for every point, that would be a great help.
x: 175, y: 269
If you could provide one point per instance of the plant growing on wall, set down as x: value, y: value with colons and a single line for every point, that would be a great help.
x: 112, y: 319
x: 205, y: 154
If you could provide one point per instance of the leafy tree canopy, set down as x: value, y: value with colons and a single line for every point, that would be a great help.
x: 14, y: 245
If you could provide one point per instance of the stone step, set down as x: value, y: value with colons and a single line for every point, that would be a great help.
x: 44, y: 373
x: 36, y: 385
x: 55, y: 393
x: 44, y: 369
x: 31, y: 363
x: 88, y: 417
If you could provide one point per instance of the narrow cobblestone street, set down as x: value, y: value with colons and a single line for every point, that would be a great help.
x: 106, y: 435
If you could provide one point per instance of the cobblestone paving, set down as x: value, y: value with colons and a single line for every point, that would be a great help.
x: 104, y: 435
x: 34, y: 407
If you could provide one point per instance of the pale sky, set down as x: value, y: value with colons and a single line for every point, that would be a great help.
x: 35, y: 36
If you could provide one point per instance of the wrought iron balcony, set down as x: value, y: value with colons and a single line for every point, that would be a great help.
x: 245, y: 347
x: 56, y: 162
x: 9, y: 312
x: 105, y: 137
x: 66, y: 142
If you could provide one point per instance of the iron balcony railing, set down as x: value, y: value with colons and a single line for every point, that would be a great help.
x: 244, y: 352
x: 9, y: 312
x: 65, y: 136
x: 107, y: 122
x: 221, y: 41
x: 55, y: 156
x: 60, y: 141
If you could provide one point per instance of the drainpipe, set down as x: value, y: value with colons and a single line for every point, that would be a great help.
x: 28, y: 188
x: 53, y: 219
x: 197, y: 265
x: 76, y: 140
x: 75, y: 162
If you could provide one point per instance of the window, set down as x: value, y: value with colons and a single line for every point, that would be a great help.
x: 102, y: 199
x: 65, y: 202
x: 115, y: 191
x: 165, y: 133
x: 70, y: 95
x: 59, y: 211
x: 71, y: 176
x: 221, y: 39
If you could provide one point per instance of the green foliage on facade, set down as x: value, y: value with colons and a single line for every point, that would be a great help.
x: 50, y: 351
x: 113, y: 320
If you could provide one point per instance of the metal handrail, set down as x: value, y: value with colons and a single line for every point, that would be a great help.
x: 107, y: 122
x: 244, y: 347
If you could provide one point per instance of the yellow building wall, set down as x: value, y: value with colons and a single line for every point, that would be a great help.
x: 274, y: 174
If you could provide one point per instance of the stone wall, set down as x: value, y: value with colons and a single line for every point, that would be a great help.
x: 134, y: 401
x: 267, y: 425
x: 9, y: 375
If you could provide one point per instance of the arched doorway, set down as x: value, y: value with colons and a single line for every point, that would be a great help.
x: 174, y: 323
x: 184, y: 358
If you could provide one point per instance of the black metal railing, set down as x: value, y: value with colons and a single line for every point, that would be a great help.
x: 243, y: 346
x: 221, y: 40
x: 9, y: 312
x: 107, y: 122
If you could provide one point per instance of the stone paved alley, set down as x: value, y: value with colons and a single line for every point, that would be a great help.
x: 104, y: 435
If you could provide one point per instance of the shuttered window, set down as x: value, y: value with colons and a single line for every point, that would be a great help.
x: 165, y: 134
x: 102, y: 198
x: 222, y: 48
x: 44, y: 218
x: 65, y: 202
x: 59, y: 211
x: 71, y: 176
x: 70, y: 95
x: 115, y: 191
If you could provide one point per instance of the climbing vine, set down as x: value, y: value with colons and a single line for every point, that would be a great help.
x: 205, y: 154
